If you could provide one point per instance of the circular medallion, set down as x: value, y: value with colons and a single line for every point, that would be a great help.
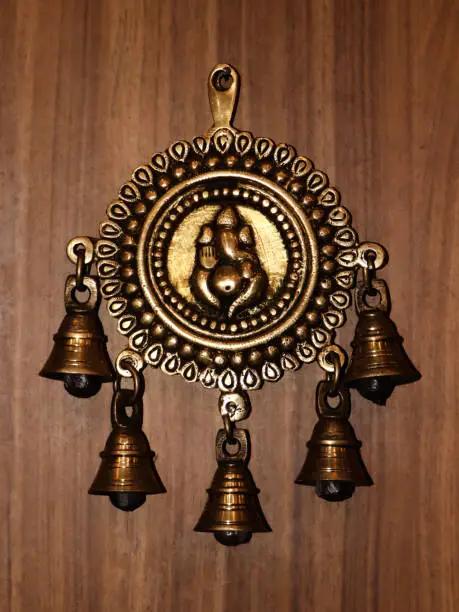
x: 228, y: 260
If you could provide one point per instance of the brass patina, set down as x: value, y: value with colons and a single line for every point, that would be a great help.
x: 229, y: 260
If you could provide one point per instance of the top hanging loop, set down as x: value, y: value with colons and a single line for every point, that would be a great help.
x: 224, y: 86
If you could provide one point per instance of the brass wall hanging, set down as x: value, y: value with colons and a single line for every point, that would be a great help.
x: 228, y: 260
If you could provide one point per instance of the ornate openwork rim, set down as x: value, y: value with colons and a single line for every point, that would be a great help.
x: 291, y: 177
x: 250, y: 170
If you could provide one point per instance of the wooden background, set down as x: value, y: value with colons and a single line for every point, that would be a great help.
x: 369, y: 90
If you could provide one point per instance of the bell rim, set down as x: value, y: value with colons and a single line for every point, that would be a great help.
x: 234, y: 528
x: 396, y: 378
x: 104, y: 378
x: 312, y: 482
x: 144, y: 490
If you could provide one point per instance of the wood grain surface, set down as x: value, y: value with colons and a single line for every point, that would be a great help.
x: 369, y: 90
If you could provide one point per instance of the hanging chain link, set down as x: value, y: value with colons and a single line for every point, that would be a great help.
x: 138, y: 379
x: 369, y: 273
x: 334, y: 377
x: 80, y: 269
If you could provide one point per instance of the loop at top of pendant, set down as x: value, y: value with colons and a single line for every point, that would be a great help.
x: 340, y: 409
x: 72, y: 304
x: 223, y: 96
x: 122, y: 400
x: 381, y: 291
x: 241, y: 451
x: 137, y: 392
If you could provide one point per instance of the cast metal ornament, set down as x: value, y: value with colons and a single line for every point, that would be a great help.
x: 228, y: 260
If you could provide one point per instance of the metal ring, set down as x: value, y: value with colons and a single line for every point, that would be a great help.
x: 323, y: 408
x: 80, y: 269
x: 229, y: 428
x: 334, y: 377
x: 119, y: 417
x: 380, y: 252
x: 137, y: 391
x: 378, y: 287
x: 134, y: 359
x: 325, y: 363
x: 74, y: 246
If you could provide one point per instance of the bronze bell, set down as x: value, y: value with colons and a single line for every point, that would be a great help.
x: 333, y: 463
x: 79, y: 356
x: 127, y: 473
x: 233, y: 511
x: 379, y: 362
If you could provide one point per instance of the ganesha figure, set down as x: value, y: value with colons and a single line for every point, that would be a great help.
x: 228, y: 275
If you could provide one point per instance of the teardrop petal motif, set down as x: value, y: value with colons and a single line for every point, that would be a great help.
x: 284, y: 154
x: 227, y: 381
x: 190, y: 371
x: 243, y: 142
x: 289, y: 362
x: 143, y: 176
x: 106, y: 249
x: 333, y: 319
x: 126, y: 324
x: 117, y: 306
x: 250, y: 380
x: 209, y: 378
x: 347, y: 258
x: 171, y: 364
x: 222, y: 140
x: 118, y: 211
x: 263, y: 147
x: 200, y: 145
x: 320, y: 337
x: 160, y: 162
x: 109, y: 229
x: 340, y: 300
x: 130, y: 193
x: 107, y: 268
x: 154, y: 355
x: 346, y: 237
x: 302, y: 166
x: 345, y: 278
x: 339, y: 216
x: 306, y: 352
x: 330, y: 197
x: 271, y: 372
x: 179, y: 150
x: 316, y: 181
x: 139, y: 339
x: 111, y: 288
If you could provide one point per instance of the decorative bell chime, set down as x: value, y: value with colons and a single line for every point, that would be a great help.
x: 127, y: 473
x: 79, y: 357
x: 228, y: 260
x: 333, y: 464
x: 379, y: 362
x: 233, y: 512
